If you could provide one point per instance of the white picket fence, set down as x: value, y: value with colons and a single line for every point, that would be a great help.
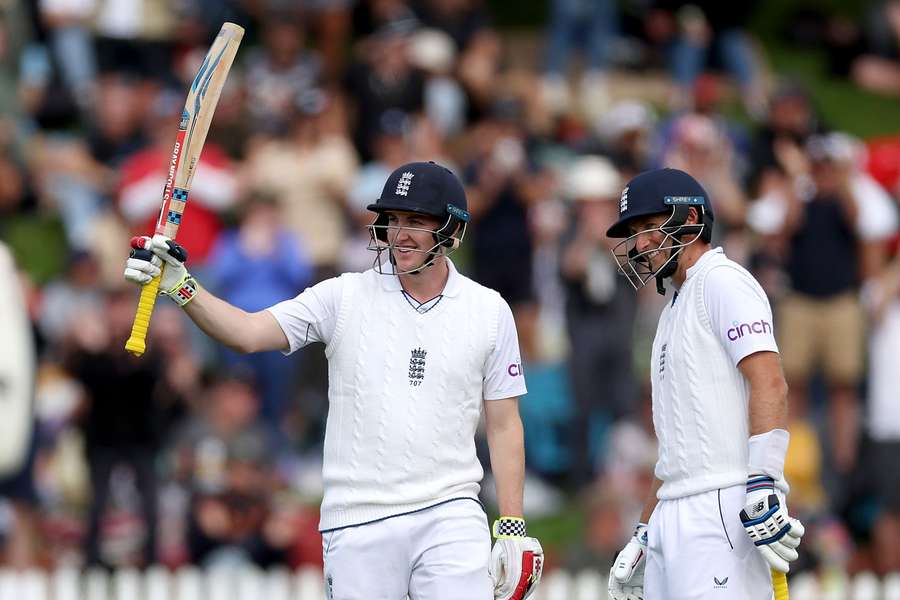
x: 306, y: 584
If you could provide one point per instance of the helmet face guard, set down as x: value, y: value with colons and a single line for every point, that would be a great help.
x: 637, y: 267
x: 447, y: 239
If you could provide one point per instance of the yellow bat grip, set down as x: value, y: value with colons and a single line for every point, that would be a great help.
x: 779, y: 583
x: 136, y: 344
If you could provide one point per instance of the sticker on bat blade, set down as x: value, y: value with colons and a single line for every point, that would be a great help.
x: 174, y: 218
x: 180, y: 194
x: 185, y: 117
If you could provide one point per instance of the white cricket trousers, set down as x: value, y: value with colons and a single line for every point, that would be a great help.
x: 440, y: 553
x: 697, y: 549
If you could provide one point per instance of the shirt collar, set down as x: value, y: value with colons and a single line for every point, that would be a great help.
x: 391, y: 283
x: 706, y: 257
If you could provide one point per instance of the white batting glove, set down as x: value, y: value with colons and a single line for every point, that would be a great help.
x: 147, y: 259
x: 626, y: 577
x: 517, y: 561
x: 774, y: 533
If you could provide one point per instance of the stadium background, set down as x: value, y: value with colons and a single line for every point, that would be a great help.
x: 525, y: 100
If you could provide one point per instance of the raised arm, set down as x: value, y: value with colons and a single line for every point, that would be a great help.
x: 227, y: 324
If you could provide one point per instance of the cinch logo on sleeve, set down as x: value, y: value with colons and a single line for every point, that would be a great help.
x: 514, y: 370
x: 741, y: 329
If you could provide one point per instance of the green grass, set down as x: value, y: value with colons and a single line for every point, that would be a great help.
x: 842, y: 104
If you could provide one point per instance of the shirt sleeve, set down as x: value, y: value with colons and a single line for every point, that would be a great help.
x: 311, y: 316
x: 503, y: 375
x: 739, y: 313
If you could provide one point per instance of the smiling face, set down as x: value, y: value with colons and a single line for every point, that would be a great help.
x: 411, y: 235
x: 648, y: 237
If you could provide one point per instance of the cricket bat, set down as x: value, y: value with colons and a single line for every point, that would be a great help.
x: 779, y: 583
x: 195, y: 119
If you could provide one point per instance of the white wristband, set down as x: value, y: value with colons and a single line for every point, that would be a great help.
x: 767, y: 452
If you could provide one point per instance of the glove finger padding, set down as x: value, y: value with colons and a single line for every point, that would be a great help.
x: 774, y: 533
x: 168, y: 250
x: 617, y: 590
x: 516, y: 567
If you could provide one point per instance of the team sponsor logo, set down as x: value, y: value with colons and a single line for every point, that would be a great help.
x: 741, y: 329
x: 720, y: 584
x: 404, y: 183
x: 514, y: 370
x: 417, y: 366
x: 623, y: 201
x: 689, y: 200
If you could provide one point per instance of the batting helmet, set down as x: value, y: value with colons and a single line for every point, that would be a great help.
x: 425, y: 188
x: 660, y: 192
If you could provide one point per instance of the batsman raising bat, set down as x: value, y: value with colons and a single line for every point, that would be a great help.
x: 416, y: 353
x: 195, y: 119
x: 716, y: 525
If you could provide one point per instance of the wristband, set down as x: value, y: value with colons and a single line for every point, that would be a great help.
x: 766, y: 453
x: 185, y: 291
x: 509, y: 527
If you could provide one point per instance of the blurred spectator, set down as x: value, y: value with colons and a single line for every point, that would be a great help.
x: 121, y: 420
x: 253, y: 267
x: 224, y: 456
x: 135, y: 37
x: 309, y: 171
x: 501, y: 184
x: 382, y: 78
x: 791, y: 119
x: 477, y: 44
x: 590, y: 26
x: 624, y: 133
x: 433, y: 53
x: 392, y: 148
x: 821, y: 321
x: 694, y: 30
x: 331, y: 21
x: 67, y: 23
x: 18, y: 539
x: 699, y: 147
x: 877, y: 69
x: 141, y: 181
x: 279, y: 71
x: 76, y: 292
x: 116, y: 121
x: 600, y: 310
x: 883, y: 418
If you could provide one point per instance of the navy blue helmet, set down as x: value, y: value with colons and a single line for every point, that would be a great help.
x: 669, y: 192
x: 425, y: 188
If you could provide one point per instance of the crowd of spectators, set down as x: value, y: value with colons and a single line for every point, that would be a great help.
x: 195, y: 454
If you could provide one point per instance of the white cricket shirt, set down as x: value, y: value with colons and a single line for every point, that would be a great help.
x: 700, y: 399
x: 405, y: 388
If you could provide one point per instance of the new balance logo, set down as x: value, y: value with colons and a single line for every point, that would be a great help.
x: 623, y: 201
x: 404, y: 183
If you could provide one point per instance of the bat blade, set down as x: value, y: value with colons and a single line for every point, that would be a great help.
x: 199, y: 107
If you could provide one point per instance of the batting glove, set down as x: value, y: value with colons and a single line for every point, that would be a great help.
x: 626, y: 577
x: 147, y: 260
x: 517, y: 561
x: 774, y: 533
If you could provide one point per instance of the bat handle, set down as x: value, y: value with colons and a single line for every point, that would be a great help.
x: 779, y: 583
x: 136, y: 344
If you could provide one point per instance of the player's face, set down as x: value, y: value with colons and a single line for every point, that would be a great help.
x: 411, y: 235
x: 649, y: 237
